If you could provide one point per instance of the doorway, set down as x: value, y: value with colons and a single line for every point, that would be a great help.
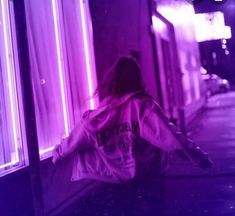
x: 168, y: 65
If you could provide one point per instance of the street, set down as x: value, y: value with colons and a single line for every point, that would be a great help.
x: 191, y: 191
x: 185, y: 190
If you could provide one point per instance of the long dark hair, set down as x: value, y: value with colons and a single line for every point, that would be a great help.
x: 124, y: 77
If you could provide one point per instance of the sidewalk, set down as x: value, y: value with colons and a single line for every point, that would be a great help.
x: 193, y: 192
x: 186, y: 190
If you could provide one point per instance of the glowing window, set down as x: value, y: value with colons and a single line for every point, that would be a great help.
x: 62, y: 67
x: 11, y: 137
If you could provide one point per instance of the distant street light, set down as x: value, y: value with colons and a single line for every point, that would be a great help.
x: 219, y: 1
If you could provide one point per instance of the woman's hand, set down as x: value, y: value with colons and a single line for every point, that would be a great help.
x: 55, y: 154
x: 205, y: 163
x: 193, y: 152
x: 58, y: 152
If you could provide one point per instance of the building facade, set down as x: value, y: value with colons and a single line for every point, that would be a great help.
x: 59, y: 68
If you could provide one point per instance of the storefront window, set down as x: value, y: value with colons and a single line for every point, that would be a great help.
x: 11, y: 115
x: 61, y: 66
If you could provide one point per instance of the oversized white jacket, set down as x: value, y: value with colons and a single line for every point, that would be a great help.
x: 119, y: 139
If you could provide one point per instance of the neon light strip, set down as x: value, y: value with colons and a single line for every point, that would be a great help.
x: 87, y: 55
x: 60, y: 59
x: 9, y: 164
x: 10, y: 73
x: 158, y: 24
x: 43, y: 151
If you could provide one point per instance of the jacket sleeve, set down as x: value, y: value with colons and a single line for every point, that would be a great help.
x: 160, y: 132
x: 78, y: 140
x: 155, y: 127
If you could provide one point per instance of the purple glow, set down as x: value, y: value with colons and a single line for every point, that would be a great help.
x: 158, y: 25
x: 11, y: 81
x: 227, y: 32
x: 60, y: 61
x: 177, y: 14
x: 60, y: 66
x: 196, y: 86
x: 45, y: 151
x: 180, y: 15
x: 9, y: 164
x: 211, y: 26
x: 227, y: 52
x: 87, y: 55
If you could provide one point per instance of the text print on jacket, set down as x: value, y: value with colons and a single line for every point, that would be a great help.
x: 117, y: 140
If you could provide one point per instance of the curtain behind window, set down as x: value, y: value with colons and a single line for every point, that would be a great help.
x: 76, y: 53
x: 45, y: 72
x: 48, y: 93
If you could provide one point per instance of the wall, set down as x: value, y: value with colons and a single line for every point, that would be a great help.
x: 16, y: 194
x: 180, y: 14
x: 120, y: 27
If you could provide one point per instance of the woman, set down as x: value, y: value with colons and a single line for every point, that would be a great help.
x: 120, y: 139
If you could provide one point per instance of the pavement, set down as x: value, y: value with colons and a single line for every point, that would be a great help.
x: 185, y: 190
x: 194, y: 192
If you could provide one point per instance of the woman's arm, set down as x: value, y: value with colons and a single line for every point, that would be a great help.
x: 168, y: 137
x: 188, y: 147
x: 78, y: 140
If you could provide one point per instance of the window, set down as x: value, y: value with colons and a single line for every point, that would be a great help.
x: 62, y: 66
x: 62, y: 69
x: 11, y: 127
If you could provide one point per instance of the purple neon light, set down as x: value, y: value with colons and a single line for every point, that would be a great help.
x: 60, y: 65
x: 177, y: 14
x: 87, y: 55
x: 211, y: 26
x: 61, y: 74
x: 227, y: 52
x: 11, y: 79
x: 158, y: 25
x: 9, y: 164
x: 47, y: 150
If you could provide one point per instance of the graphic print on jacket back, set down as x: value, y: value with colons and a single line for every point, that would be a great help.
x: 117, y: 141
